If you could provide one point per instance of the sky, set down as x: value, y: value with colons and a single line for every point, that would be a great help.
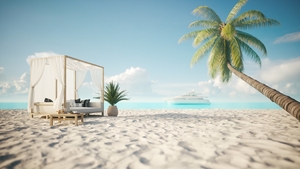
x: 136, y: 41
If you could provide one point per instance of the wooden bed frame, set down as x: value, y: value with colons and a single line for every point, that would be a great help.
x: 46, y: 109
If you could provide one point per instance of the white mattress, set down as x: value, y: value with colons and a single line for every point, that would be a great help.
x: 86, y: 109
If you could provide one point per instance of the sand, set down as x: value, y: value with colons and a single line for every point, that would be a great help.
x: 138, y: 139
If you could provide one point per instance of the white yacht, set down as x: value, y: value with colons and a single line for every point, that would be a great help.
x: 188, y: 98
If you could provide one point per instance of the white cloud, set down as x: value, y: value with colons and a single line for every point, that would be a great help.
x: 134, y: 80
x: 131, y: 75
x: 205, y: 87
x: 19, y: 86
x: 2, y: 76
x: 291, y: 37
x: 5, y: 87
x: 41, y: 55
x: 292, y: 88
x: 218, y: 82
x: 283, y: 75
x: 1, y: 70
x: 235, y: 89
x: 281, y: 71
x: 244, y: 87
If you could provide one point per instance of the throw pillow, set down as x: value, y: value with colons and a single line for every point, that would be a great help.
x: 82, y: 102
x: 87, y: 103
x: 47, y: 100
x: 77, y: 100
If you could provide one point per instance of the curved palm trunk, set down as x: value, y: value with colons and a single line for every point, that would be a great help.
x: 289, y: 104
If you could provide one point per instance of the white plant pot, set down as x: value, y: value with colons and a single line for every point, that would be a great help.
x: 112, y: 111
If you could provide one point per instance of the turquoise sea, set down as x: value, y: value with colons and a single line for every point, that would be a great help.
x: 164, y: 105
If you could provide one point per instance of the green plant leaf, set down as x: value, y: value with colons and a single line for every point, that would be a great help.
x: 112, y: 94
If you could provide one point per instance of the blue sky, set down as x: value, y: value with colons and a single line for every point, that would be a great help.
x: 137, y: 43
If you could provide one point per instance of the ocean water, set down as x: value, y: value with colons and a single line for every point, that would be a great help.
x: 164, y: 105
x: 219, y: 105
x: 13, y: 105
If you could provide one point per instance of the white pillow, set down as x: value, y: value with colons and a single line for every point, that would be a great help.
x: 72, y: 103
x: 68, y: 106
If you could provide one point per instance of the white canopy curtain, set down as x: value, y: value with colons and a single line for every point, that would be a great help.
x: 95, y: 75
x: 36, y: 71
x: 80, y: 76
x: 57, y: 64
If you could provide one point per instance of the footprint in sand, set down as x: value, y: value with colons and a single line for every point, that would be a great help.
x: 186, y: 146
x: 144, y: 161
x: 53, y: 144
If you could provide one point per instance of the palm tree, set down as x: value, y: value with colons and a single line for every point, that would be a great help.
x: 227, y: 44
x: 112, y: 94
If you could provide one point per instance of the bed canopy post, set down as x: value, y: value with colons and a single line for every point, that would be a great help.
x: 75, y: 90
x: 55, y: 89
x: 65, y: 83
x: 102, y: 91
x: 31, y: 108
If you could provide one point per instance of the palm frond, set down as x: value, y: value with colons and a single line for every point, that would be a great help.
x: 236, y: 55
x: 253, y: 41
x: 257, y: 23
x: 253, y: 18
x: 204, y: 23
x: 225, y: 72
x: 223, y: 69
x: 248, y: 15
x: 190, y: 35
x: 112, y: 94
x: 249, y: 51
x: 235, y: 10
x: 122, y: 96
x: 207, y: 13
x: 205, y: 34
x: 203, y: 50
x: 216, y: 53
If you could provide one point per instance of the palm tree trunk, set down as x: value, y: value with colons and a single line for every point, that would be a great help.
x: 289, y: 104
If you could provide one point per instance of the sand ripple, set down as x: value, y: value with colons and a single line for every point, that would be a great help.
x: 137, y: 139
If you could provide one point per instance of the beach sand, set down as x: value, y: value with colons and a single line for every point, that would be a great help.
x: 138, y: 139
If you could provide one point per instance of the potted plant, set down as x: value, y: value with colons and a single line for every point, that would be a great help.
x: 112, y: 95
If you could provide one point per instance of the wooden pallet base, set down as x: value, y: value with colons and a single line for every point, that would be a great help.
x: 60, y: 117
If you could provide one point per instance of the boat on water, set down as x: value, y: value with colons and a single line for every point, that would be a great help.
x: 189, y: 98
